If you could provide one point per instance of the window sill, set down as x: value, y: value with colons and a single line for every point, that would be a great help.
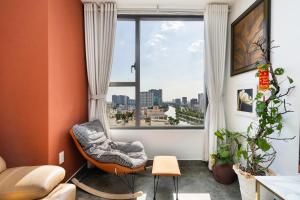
x: 160, y: 128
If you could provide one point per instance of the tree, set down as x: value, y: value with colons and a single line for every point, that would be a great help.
x: 271, y: 106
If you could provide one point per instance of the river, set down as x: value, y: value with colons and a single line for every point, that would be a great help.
x: 172, y: 113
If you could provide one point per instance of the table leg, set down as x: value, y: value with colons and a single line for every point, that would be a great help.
x: 257, y: 190
x: 175, y: 180
x: 156, y: 181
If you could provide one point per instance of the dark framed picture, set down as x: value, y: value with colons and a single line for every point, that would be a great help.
x: 251, y: 26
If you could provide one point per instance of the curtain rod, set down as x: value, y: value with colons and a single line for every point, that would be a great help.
x: 153, y: 10
x: 160, y: 11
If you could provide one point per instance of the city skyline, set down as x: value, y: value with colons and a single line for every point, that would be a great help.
x: 199, y: 97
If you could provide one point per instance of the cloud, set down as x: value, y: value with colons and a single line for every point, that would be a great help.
x: 196, y: 46
x: 156, y: 39
x: 171, y: 26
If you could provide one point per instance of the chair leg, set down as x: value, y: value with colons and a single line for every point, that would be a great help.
x: 104, y: 194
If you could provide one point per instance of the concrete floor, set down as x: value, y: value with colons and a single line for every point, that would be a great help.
x: 196, y: 181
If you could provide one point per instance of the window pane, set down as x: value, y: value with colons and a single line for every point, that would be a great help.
x: 121, y: 107
x: 124, y: 52
x: 172, y: 85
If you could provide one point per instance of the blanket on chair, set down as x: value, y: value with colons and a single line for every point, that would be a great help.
x: 95, y: 143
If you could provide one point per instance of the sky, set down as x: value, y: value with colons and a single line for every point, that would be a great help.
x: 171, y: 58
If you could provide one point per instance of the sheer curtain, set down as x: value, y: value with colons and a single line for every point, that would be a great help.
x: 215, y: 24
x: 100, y: 24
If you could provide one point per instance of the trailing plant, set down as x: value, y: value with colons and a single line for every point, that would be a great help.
x: 271, y: 106
x: 227, y: 142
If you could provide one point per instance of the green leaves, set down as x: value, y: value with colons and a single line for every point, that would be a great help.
x: 259, y: 95
x: 219, y: 135
x: 263, y: 144
x: 240, y: 152
x: 260, y: 107
x: 279, y: 71
x: 224, y: 154
x: 227, y: 143
x: 279, y: 126
x: 290, y: 80
x: 269, y: 131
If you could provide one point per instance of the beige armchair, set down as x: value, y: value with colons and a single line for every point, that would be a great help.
x: 34, y: 182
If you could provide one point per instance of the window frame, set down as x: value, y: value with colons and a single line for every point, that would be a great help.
x: 137, y: 19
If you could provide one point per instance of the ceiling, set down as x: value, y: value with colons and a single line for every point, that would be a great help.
x: 183, y: 4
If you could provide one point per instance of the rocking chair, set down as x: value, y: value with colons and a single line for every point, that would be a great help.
x: 112, y: 168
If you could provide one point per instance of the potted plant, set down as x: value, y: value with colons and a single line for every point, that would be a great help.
x: 258, y: 153
x: 223, y: 159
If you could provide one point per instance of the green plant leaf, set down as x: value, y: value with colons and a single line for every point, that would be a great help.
x: 263, y: 144
x: 290, y: 80
x: 269, y: 131
x: 245, y: 155
x: 276, y: 101
x: 259, y: 95
x: 279, y: 71
x: 279, y: 126
x: 219, y: 135
x: 260, y: 107
x: 257, y: 74
x: 224, y: 154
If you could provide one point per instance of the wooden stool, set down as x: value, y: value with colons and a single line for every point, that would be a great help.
x: 165, y: 166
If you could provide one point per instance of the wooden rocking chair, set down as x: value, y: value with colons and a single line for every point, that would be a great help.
x: 109, y: 168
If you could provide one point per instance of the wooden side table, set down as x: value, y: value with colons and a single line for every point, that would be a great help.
x: 165, y: 166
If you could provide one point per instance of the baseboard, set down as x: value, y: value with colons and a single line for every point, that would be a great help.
x: 81, y: 168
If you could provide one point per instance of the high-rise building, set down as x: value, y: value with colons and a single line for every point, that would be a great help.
x: 151, y: 98
x: 131, y: 102
x: 202, y: 102
x: 146, y: 99
x: 157, y: 97
x: 118, y: 100
x: 184, y: 100
x: 178, y: 102
x: 193, y: 102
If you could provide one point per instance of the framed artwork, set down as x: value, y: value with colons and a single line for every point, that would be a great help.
x: 251, y: 26
x: 245, y: 104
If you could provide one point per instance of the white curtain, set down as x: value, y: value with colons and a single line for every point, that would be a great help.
x: 100, y: 25
x: 215, y: 24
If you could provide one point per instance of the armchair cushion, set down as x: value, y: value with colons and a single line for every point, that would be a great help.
x: 31, y: 182
x: 63, y: 191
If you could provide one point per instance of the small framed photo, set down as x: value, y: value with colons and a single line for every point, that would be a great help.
x: 245, y: 100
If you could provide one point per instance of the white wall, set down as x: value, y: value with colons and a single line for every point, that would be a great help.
x: 285, y: 30
x: 185, y: 144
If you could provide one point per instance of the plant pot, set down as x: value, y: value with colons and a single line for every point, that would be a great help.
x: 247, y: 185
x: 224, y: 173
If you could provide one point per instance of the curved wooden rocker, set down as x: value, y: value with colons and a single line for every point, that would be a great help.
x: 109, y: 168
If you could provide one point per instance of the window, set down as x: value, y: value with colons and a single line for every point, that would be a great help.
x: 157, y: 76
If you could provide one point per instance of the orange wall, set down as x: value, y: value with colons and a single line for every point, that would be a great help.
x: 23, y: 82
x: 43, y: 84
x: 67, y: 82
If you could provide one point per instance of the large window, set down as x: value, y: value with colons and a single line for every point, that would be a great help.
x: 157, y: 74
